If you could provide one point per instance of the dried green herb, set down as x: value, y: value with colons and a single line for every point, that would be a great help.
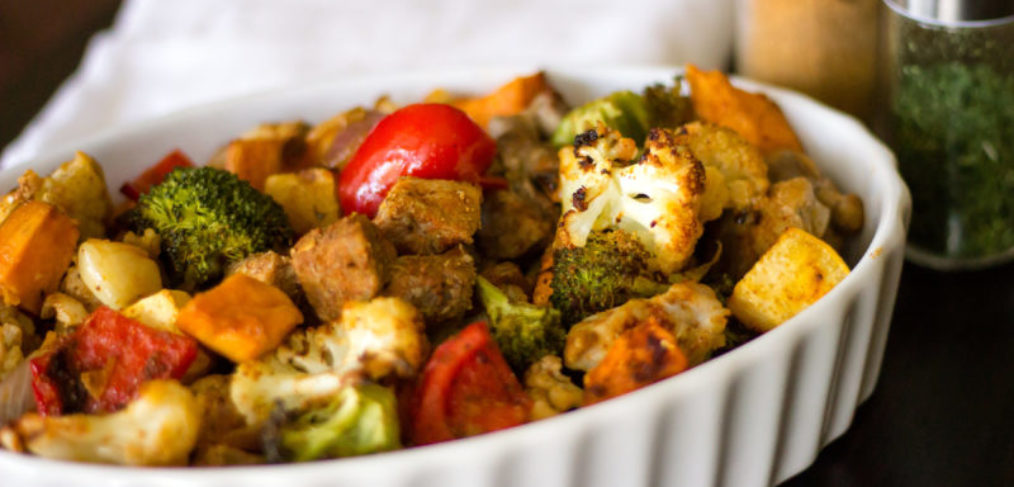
x: 954, y: 137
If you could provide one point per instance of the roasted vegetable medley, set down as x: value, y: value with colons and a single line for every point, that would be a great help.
x: 400, y: 276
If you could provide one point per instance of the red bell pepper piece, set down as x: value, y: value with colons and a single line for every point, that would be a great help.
x: 155, y: 174
x: 427, y: 140
x: 466, y: 389
x: 100, y: 367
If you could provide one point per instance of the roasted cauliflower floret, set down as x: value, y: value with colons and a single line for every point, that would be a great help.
x: 160, y: 427
x: 258, y: 387
x: 78, y: 188
x: 10, y: 348
x: 224, y: 438
x: 376, y: 338
x: 691, y: 311
x: 17, y: 333
x: 746, y: 235
x: 148, y: 240
x: 552, y: 392
x: 372, y: 339
x: 657, y: 197
x: 741, y: 165
x: 66, y: 310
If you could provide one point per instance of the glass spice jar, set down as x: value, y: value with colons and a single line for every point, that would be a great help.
x: 948, y: 77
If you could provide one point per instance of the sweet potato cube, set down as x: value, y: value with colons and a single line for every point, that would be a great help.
x: 241, y: 318
x: 642, y: 355
x: 509, y: 99
x: 753, y: 115
x: 308, y: 197
x: 253, y: 160
x: 37, y: 243
x: 793, y: 274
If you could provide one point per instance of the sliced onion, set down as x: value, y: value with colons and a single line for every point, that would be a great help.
x: 16, y: 396
x: 348, y: 140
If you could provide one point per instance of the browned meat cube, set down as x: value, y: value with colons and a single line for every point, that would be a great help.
x: 512, y: 226
x: 270, y: 268
x: 439, y: 286
x: 429, y: 216
x: 347, y: 260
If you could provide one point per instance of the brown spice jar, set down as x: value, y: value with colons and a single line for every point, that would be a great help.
x: 825, y: 48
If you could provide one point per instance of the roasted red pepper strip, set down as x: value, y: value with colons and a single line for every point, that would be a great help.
x: 100, y: 367
x: 155, y: 174
x: 427, y: 140
x: 466, y: 389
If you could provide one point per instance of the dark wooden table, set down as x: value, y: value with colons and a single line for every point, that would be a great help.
x: 943, y: 410
x: 942, y: 413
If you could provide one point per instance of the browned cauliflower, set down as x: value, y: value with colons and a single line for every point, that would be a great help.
x: 656, y: 197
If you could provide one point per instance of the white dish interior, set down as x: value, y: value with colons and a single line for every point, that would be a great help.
x: 754, y: 416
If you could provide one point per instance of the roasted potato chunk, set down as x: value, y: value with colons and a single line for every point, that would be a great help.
x: 159, y: 310
x: 265, y: 150
x: 793, y: 274
x: 308, y: 197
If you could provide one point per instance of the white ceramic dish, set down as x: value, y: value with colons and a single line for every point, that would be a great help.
x: 752, y: 417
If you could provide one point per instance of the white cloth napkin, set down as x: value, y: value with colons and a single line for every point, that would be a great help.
x: 161, y: 56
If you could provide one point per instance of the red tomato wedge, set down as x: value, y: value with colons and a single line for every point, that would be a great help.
x: 466, y: 389
x: 427, y: 140
x: 100, y: 367
x: 155, y: 174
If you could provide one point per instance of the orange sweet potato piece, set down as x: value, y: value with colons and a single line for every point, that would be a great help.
x: 241, y: 318
x: 253, y: 160
x: 509, y: 99
x: 640, y: 356
x: 37, y: 242
x: 753, y: 115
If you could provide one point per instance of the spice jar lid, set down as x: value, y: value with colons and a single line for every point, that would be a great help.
x: 954, y: 11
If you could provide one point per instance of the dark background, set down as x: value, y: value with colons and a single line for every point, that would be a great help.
x: 942, y: 413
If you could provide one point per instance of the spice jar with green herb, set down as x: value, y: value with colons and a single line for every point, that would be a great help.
x: 949, y: 116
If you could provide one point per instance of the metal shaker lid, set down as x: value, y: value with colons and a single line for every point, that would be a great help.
x: 954, y: 11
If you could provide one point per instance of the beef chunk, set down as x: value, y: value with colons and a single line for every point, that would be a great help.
x: 429, y: 216
x: 512, y: 226
x: 439, y: 286
x: 347, y: 260
x: 270, y: 268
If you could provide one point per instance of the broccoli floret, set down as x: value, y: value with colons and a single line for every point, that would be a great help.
x: 359, y: 420
x: 666, y: 107
x: 525, y: 332
x: 611, y: 268
x: 208, y: 218
x: 623, y: 111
